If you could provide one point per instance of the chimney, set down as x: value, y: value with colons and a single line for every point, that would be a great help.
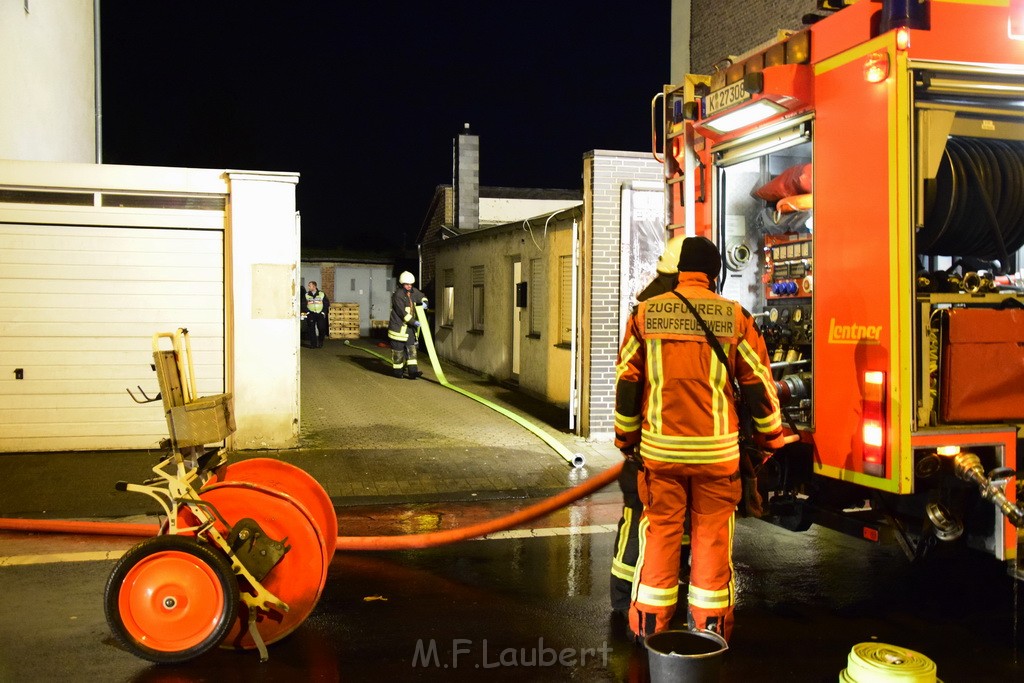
x: 467, y: 181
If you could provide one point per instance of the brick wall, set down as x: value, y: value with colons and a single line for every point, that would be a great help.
x: 607, y: 172
x: 327, y: 279
x: 732, y: 27
x: 439, y: 215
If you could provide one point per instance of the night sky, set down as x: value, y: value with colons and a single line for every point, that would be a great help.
x: 363, y: 99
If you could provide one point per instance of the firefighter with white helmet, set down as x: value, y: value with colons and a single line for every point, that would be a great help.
x: 673, y: 411
x: 627, y: 544
x: 404, y: 327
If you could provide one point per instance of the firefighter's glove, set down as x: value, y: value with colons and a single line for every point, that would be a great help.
x: 769, y: 442
x: 415, y: 323
x: 631, y: 454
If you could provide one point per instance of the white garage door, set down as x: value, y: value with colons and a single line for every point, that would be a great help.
x: 78, y: 308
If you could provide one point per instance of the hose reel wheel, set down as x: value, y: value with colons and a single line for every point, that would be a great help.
x: 170, y: 599
x: 297, y: 579
x: 294, y: 481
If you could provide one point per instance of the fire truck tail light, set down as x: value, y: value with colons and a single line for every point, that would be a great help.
x: 1016, y: 28
x: 876, y: 67
x: 873, y: 435
x: 873, y: 427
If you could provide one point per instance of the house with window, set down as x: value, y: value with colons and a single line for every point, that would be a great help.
x: 504, y: 302
x: 540, y: 302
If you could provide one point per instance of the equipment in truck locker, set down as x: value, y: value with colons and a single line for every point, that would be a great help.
x: 863, y: 178
x: 983, y: 365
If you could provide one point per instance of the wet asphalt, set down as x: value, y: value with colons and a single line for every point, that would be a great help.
x: 527, y: 605
x: 503, y: 609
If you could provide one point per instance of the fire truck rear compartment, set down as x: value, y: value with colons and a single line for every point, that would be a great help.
x: 971, y: 223
x: 944, y: 513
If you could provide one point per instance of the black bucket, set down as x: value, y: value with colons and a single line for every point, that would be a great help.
x: 691, y: 656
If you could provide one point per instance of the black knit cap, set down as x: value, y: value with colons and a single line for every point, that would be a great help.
x: 700, y: 255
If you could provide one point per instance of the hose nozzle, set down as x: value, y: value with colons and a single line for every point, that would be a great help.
x: 968, y: 467
x: 978, y: 282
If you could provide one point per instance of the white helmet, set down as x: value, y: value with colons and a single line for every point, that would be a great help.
x: 406, y: 278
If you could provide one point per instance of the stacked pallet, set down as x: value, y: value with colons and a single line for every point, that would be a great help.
x: 379, y: 329
x: 343, y: 321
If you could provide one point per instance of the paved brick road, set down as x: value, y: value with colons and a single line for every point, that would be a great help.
x: 366, y: 436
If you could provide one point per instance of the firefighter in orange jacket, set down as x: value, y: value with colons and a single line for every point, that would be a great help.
x: 674, y: 410
x: 627, y: 543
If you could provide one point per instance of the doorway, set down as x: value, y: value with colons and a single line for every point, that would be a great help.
x: 517, y: 321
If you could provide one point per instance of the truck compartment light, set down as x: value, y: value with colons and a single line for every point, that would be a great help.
x: 902, y: 38
x: 873, y: 425
x: 745, y: 116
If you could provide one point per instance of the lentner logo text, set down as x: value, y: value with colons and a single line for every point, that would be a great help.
x: 853, y: 334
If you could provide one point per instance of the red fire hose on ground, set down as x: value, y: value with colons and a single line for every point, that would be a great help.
x: 523, y: 516
x: 278, y: 546
x: 290, y: 506
x: 350, y: 543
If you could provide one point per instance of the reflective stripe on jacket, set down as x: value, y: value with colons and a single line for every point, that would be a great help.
x: 403, y: 312
x: 315, y: 302
x: 673, y: 396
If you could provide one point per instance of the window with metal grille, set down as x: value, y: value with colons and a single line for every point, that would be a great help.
x: 536, y: 295
x: 565, y: 299
x: 477, y: 280
x: 448, y: 298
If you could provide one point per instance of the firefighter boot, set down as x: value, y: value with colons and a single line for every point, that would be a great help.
x: 412, y: 369
x: 717, y: 625
x: 397, y: 373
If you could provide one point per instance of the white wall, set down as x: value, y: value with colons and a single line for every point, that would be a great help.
x: 47, y: 85
x: 498, y: 210
x: 679, y: 54
x: 261, y: 248
x: 264, y: 334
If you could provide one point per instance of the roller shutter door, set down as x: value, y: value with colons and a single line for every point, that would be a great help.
x: 78, y: 307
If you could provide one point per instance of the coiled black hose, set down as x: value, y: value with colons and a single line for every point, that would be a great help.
x: 975, y: 205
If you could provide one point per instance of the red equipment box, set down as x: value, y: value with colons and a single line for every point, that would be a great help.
x: 983, y: 365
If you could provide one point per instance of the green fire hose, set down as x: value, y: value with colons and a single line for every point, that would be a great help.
x: 574, y: 459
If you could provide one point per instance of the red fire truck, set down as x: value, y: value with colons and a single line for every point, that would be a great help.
x: 864, y: 179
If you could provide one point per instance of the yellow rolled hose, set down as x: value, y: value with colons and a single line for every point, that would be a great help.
x: 884, y: 663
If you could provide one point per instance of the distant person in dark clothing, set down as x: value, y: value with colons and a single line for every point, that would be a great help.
x: 404, y: 327
x: 315, y: 307
x: 627, y: 543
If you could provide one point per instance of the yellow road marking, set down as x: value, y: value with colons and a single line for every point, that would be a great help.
x: 95, y: 556
x: 553, y: 531
x: 107, y: 555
